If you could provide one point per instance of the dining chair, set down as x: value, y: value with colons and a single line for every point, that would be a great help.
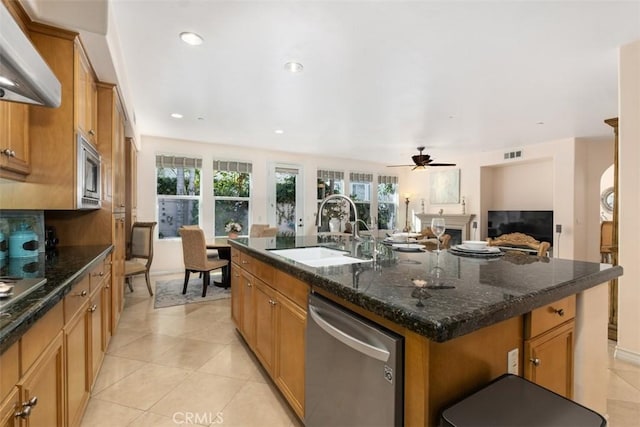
x: 257, y: 229
x: 141, y: 253
x: 515, y: 241
x: 194, y: 251
x: 606, y: 241
x: 269, y: 232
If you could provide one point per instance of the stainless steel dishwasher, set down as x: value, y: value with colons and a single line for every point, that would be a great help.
x: 354, y: 369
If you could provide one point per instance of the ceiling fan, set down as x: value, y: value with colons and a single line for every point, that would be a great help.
x: 422, y: 161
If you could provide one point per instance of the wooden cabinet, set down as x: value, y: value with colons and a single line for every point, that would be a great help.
x: 45, y: 381
x: 269, y: 309
x: 131, y: 188
x: 8, y: 409
x: 85, y: 96
x: 111, y: 144
x: 117, y: 270
x: 548, y: 346
x: 51, y: 184
x: 14, y: 140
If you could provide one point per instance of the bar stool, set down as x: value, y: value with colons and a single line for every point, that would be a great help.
x: 510, y: 400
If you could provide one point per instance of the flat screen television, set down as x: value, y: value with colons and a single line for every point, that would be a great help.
x: 537, y: 224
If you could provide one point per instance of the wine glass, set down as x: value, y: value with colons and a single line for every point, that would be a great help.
x: 438, y: 228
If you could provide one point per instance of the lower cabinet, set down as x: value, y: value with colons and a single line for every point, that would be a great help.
x: 548, y: 346
x: 9, y: 408
x: 271, y: 315
x: 44, y: 382
x: 76, y: 346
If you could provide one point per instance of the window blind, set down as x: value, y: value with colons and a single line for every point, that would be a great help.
x: 327, y: 175
x: 290, y: 171
x: 360, y: 177
x: 232, y: 166
x: 387, y: 179
x: 163, y: 161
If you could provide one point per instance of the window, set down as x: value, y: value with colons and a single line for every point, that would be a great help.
x: 330, y: 182
x: 178, y: 193
x: 360, y: 192
x: 387, y: 202
x: 231, y: 195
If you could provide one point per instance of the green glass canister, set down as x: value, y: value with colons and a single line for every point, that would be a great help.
x: 4, y: 246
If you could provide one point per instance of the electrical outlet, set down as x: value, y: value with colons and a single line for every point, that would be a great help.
x: 512, y: 361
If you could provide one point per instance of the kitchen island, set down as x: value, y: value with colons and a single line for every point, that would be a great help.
x: 460, y: 317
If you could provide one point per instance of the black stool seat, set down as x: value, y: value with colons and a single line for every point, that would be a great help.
x: 513, y: 401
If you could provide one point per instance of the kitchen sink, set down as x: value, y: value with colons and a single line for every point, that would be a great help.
x: 318, y: 256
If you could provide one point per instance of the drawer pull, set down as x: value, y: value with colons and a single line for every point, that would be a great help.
x: 558, y: 311
x: 244, y: 261
x: 92, y: 132
x: 535, y: 362
x: 93, y: 308
x: 82, y: 294
x: 272, y: 302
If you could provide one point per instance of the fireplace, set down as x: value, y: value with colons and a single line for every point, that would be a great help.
x: 457, y: 225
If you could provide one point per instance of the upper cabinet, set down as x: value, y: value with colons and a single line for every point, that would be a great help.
x: 52, y: 131
x: 86, y: 97
x: 14, y: 140
x: 111, y: 137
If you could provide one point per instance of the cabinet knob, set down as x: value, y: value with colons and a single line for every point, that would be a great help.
x: 93, y: 308
x: 9, y: 153
x: 82, y: 294
x: 249, y: 284
x: 535, y: 361
x: 558, y: 311
x: 92, y: 132
x: 244, y: 261
x: 272, y: 302
x: 26, y: 407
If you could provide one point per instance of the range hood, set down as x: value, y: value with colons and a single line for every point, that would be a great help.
x: 24, y: 76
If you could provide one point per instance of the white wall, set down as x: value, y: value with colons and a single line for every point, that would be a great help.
x: 168, y: 252
x: 629, y: 204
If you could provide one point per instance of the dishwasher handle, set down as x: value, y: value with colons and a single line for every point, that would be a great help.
x: 356, y: 344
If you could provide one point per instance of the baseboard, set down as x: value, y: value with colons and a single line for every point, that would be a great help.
x: 627, y: 356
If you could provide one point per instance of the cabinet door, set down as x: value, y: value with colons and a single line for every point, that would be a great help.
x: 76, y: 340
x: 119, y: 158
x: 248, y: 314
x: 45, y: 381
x: 290, y: 347
x: 117, y: 273
x: 14, y: 140
x: 85, y: 95
x: 236, y: 296
x: 549, y: 359
x: 8, y: 410
x: 265, y: 301
x: 95, y: 340
x: 106, y: 313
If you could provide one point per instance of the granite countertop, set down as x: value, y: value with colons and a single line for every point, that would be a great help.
x: 470, y: 293
x: 62, y: 269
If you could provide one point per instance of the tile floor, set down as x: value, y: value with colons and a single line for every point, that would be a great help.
x: 170, y: 367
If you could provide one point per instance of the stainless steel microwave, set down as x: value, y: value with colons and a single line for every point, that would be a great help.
x: 88, y: 175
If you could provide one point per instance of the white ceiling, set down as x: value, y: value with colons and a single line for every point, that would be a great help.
x: 379, y: 79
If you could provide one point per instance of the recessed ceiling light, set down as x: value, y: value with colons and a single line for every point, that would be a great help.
x: 279, y: 131
x: 200, y: 118
x: 539, y: 123
x: 190, y: 38
x: 176, y: 115
x: 293, y: 67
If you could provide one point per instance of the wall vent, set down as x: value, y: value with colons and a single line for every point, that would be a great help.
x: 513, y: 155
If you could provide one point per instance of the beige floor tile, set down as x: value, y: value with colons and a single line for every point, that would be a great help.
x: 124, y: 336
x: 200, y: 393
x: 101, y: 413
x: 189, y: 354
x: 632, y: 377
x: 144, y: 387
x: 233, y: 361
x: 148, y: 419
x: 222, y: 332
x: 113, y: 370
x: 623, y: 414
x: 257, y: 404
x: 619, y: 389
x: 147, y: 348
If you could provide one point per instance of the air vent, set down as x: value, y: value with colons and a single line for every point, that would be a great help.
x: 513, y: 155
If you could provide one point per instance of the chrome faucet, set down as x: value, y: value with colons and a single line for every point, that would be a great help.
x: 339, y: 196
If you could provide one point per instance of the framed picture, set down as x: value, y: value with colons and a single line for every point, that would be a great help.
x: 444, y: 187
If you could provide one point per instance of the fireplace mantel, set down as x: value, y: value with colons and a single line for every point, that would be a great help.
x: 455, y: 221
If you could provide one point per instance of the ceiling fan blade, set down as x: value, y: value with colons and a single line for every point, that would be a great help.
x: 398, y: 166
x: 441, y: 164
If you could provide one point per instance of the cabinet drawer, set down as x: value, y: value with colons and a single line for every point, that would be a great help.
x: 258, y: 268
x: 549, y: 316
x: 294, y: 289
x: 235, y: 255
x: 97, y: 275
x: 79, y: 295
x: 38, y: 337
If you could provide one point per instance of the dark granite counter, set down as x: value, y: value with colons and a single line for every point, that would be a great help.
x: 61, y: 270
x: 459, y: 294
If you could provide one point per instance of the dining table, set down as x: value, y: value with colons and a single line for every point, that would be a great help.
x: 221, y: 244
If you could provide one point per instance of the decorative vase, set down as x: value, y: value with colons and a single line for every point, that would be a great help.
x: 334, y: 225
x: 233, y: 235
